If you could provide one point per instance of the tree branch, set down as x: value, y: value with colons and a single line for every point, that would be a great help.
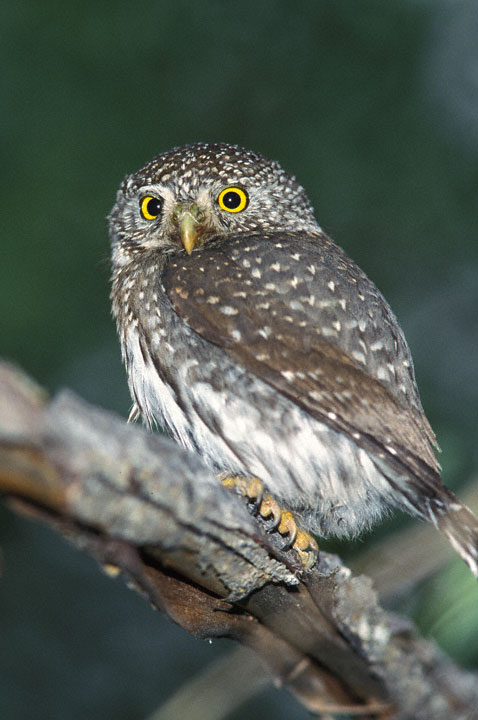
x: 146, y: 508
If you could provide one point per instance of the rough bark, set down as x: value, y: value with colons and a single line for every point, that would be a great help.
x: 146, y: 508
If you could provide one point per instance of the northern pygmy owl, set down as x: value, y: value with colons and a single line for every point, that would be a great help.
x: 260, y: 345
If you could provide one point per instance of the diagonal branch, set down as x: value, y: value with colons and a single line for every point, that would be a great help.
x: 144, y: 507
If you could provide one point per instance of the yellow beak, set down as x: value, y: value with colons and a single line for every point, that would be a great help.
x: 188, y: 232
x: 188, y: 218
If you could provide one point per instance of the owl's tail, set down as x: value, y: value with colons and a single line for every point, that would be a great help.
x: 458, y: 524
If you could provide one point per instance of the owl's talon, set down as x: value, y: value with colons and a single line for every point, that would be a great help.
x: 230, y: 482
x: 306, y: 548
x: 249, y: 487
x: 275, y: 518
x: 270, y: 508
x: 255, y: 490
x: 288, y: 526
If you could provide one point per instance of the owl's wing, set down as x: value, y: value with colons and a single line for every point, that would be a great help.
x: 298, y: 314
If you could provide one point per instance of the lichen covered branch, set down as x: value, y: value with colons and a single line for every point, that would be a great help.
x: 146, y: 508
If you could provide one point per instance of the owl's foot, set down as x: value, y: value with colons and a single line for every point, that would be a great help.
x: 278, y: 520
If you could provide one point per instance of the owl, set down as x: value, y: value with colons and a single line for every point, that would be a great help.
x: 258, y: 344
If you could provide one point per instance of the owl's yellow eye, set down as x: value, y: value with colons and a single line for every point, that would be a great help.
x: 233, y: 199
x: 150, y: 207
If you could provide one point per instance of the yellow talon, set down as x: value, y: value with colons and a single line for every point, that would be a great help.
x: 251, y: 487
x: 279, y: 520
x: 306, y: 548
x: 229, y: 482
x: 255, y: 489
x: 269, y: 507
x: 288, y: 526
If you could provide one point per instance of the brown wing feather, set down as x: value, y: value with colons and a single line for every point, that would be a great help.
x: 250, y: 321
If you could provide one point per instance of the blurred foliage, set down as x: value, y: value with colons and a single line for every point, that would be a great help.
x: 373, y: 106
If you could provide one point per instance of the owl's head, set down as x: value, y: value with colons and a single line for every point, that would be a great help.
x: 186, y: 196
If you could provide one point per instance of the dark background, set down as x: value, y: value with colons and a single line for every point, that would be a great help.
x: 374, y: 106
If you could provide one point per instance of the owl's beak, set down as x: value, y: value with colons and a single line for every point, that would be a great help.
x: 188, y: 218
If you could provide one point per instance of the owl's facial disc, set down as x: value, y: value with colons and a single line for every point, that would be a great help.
x: 189, y: 219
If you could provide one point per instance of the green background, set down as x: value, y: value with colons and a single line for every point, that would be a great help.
x: 374, y: 106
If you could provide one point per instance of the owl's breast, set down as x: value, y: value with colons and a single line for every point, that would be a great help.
x: 237, y: 423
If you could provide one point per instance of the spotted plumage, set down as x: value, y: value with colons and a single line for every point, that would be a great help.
x: 259, y: 344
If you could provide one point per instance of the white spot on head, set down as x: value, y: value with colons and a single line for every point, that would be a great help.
x: 228, y: 310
